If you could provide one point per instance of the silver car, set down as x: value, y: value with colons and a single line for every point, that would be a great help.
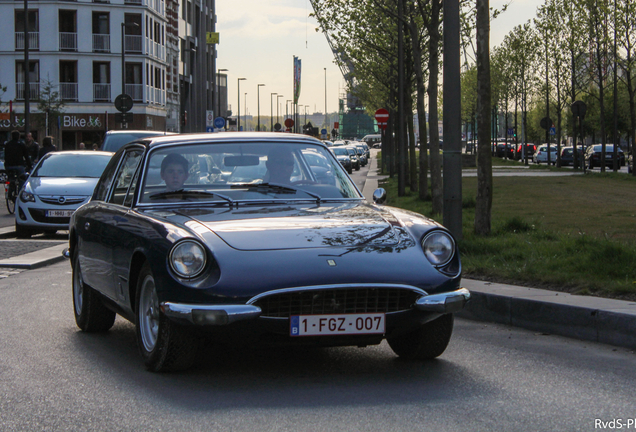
x: 59, y: 184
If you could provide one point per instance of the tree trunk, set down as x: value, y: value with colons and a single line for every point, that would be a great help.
x: 437, y: 187
x: 484, y: 158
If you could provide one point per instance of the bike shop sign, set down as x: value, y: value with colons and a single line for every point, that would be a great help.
x: 81, y: 121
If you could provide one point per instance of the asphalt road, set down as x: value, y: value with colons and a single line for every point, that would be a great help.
x: 491, y: 378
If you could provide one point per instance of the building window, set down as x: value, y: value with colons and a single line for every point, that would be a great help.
x: 68, y: 30
x: 101, y: 81
x: 101, y: 32
x: 134, y: 81
x: 33, y: 26
x: 68, y: 80
x: 34, y: 79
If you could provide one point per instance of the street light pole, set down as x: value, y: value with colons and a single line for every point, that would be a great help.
x: 326, y: 120
x: 27, y: 63
x: 238, y: 111
x: 218, y: 90
x: 271, y: 112
x: 278, y: 106
x: 245, y: 100
x: 258, y: 105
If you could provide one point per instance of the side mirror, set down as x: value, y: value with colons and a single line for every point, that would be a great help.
x: 379, y: 196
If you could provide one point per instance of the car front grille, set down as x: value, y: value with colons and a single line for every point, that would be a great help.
x: 336, y: 301
x: 61, y: 200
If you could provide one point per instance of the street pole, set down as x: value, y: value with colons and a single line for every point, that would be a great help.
x: 277, y: 107
x: 238, y: 103
x: 258, y: 105
x: 27, y: 84
x: 245, y: 100
x: 326, y: 119
x: 271, y: 112
x: 218, y: 90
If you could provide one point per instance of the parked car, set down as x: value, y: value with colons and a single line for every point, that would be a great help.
x: 268, y: 261
x: 529, y: 151
x: 58, y: 185
x: 593, y: 156
x: 116, y: 139
x: 355, y: 160
x: 342, y: 154
x: 567, y: 156
x: 541, y: 154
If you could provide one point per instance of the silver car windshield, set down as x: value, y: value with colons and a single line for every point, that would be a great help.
x: 232, y: 172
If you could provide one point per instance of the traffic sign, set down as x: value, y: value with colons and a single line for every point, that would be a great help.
x: 219, y: 122
x: 323, y: 131
x: 123, y: 117
x: 209, y: 118
x: 277, y: 127
x: 123, y: 103
x: 336, y: 125
x: 381, y: 116
x: 209, y: 128
x: 382, y: 125
x: 289, y: 122
x: 552, y: 131
x: 546, y: 123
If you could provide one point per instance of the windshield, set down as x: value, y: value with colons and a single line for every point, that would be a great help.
x: 231, y: 172
x: 87, y: 164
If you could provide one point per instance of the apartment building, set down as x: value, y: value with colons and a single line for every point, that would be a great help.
x: 77, y: 46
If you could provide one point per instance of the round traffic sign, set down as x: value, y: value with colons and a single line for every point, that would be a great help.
x: 219, y: 122
x: 289, y: 122
x: 123, y: 103
x: 277, y: 126
x: 382, y: 115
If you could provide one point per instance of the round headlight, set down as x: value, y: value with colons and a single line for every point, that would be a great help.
x: 439, y: 247
x: 27, y: 196
x: 188, y: 259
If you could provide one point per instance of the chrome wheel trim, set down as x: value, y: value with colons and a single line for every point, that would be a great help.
x: 78, y: 289
x: 148, y: 314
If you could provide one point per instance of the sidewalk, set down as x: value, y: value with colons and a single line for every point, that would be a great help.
x: 28, y: 255
x: 595, y: 319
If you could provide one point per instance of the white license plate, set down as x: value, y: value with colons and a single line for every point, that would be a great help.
x: 59, y: 213
x: 329, y: 325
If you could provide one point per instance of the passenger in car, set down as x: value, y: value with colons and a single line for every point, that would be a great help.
x: 174, y: 171
x: 280, y: 165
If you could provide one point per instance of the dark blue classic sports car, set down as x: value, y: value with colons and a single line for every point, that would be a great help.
x: 257, y: 238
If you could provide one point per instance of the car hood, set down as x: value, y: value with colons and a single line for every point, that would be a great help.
x: 300, y: 227
x: 62, y: 185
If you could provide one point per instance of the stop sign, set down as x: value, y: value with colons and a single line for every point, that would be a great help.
x: 289, y: 122
x: 381, y: 115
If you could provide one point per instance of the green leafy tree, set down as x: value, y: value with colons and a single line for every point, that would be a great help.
x: 50, y: 103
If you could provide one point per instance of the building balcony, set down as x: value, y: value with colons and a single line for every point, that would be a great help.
x: 34, y: 41
x: 34, y: 91
x: 101, y: 43
x: 135, y: 91
x: 101, y: 92
x: 68, y: 91
x: 133, y: 44
x: 68, y: 41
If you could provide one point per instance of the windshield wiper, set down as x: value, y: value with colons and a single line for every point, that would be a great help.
x: 184, y: 193
x: 278, y: 188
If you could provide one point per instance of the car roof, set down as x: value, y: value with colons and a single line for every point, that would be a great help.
x: 232, y: 137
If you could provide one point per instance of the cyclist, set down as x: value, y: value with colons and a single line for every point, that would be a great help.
x: 16, y: 155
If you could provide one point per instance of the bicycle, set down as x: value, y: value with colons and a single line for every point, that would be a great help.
x: 11, y: 189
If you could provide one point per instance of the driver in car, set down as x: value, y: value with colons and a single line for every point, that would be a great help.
x: 280, y: 165
x: 174, y: 171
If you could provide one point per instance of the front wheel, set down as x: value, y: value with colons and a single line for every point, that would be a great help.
x: 427, y: 342
x: 164, y: 345
x: 90, y: 313
x: 22, y: 232
x: 10, y: 196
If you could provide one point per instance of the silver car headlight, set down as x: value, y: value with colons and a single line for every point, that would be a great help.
x: 188, y: 258
x: 26, y: 196
x: 439, y: 247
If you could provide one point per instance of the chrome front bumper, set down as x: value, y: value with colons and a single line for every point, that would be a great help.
x: 198, y: 314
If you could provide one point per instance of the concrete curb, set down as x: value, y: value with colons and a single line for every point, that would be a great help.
x: 33, y: 260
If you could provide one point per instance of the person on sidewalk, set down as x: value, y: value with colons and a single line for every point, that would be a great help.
x: 33, y: 147
x: 16, y: 155
x: 47, y: 146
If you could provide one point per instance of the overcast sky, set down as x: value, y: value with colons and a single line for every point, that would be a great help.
x: 258, y: 39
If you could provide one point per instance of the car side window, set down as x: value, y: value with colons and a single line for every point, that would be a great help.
x: 101, y: 191
x: 125, y: 177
